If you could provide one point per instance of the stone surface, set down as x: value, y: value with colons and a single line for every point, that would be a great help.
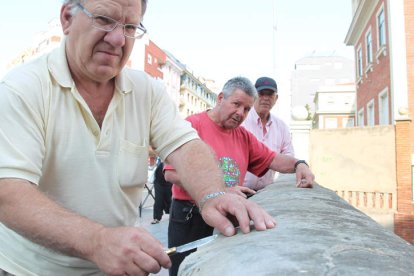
x: 317, y: 233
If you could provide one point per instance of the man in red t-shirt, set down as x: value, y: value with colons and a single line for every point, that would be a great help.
x: 237, y: 151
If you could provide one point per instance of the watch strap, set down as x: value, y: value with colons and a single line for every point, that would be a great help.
x: 300, y: 162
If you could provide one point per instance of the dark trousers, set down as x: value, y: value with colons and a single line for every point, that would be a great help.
x: 186, y: 225
x: 162, y: 201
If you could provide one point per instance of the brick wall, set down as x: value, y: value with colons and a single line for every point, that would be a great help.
x: 374, y: 81
x: 409, y: 30
x: 155, y: 58
x: 404, y: 217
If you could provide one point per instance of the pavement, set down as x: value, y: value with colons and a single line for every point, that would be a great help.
x: 158, y: 230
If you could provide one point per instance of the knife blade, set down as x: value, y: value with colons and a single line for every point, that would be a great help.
x: 190, y: 245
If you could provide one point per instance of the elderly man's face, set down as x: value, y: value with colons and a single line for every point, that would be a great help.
x: 234, y: 109
x: 95, y: 54
x: 265, y: 101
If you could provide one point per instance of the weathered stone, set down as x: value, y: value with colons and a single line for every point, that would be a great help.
x: 317, y: 233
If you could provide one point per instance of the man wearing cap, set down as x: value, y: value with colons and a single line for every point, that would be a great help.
x: 267, y: 128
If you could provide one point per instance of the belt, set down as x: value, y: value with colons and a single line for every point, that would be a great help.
x: 187, y: 206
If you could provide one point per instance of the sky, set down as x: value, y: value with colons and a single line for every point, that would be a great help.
x: 216, y: 39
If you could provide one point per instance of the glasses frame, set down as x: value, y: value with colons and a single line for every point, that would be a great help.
x: 116, y: 23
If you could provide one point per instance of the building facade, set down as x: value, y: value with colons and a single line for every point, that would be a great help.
x: 155, y: 60
x: 334, y: 107
x: 190, y: 93
x: 382, y: 33
x: 313, y: 72
x: 370, y: 37
x: 43, y: 42
x: 195, y: 96
x: 172, y: 71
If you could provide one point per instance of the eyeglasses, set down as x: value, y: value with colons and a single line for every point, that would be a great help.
x: 108, y: 24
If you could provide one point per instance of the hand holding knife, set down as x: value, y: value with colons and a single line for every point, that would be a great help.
x: 190, y: 245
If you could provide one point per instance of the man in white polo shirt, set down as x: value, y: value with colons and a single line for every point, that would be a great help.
x: 75, y: 130
x: 267, y: 128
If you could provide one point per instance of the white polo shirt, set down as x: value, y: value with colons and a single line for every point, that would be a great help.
x: 49, y: 137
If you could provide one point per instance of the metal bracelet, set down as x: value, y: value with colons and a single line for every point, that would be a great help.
x: 208, y: 197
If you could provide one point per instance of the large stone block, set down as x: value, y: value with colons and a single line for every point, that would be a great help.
x: 317, y: 233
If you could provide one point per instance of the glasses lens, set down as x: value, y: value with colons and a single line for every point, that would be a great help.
x: 131, y: 30
x: 134, y: 31
x: 104, y: 23
x: 108, y: 24
x: 139, y: 33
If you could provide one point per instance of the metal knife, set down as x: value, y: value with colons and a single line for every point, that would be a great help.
x: 190, y: 245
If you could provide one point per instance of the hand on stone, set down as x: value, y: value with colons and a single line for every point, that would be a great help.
x: 240, y: 190
x: 304, y: 176
x: 216, y: 213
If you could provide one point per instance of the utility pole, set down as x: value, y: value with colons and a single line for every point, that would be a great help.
x: 274, y: 29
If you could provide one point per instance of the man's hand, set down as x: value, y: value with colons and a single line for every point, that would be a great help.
x: 240, y: 190
x: 116, y: 251
x: 286, y: 164
x: 216, y: 211
x: 304, y: 176
x: 128, y: 251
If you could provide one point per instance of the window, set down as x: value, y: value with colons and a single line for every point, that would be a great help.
x: 370, y: 113
x: 347, y: 122
x: 381, y: 28
x: 359, y: 62
x: 149, y: 59
x: 368, y: 40
x: 331, y: 123
x: 361, y: 117
x: 383, y: 108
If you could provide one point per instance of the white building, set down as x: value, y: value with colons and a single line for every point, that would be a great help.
x: 335, y: 106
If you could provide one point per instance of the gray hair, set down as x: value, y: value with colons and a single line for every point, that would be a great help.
x: 75, y: 8
x: 241, y: 83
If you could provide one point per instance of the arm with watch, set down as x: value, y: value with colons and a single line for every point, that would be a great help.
x: 287, y: 164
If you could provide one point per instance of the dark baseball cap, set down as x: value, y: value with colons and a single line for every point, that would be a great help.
x: 266, y: 83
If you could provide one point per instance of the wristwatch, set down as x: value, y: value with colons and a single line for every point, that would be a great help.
x: 300, y: 162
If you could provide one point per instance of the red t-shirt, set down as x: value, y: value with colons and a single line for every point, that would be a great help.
x: 237, y: 151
